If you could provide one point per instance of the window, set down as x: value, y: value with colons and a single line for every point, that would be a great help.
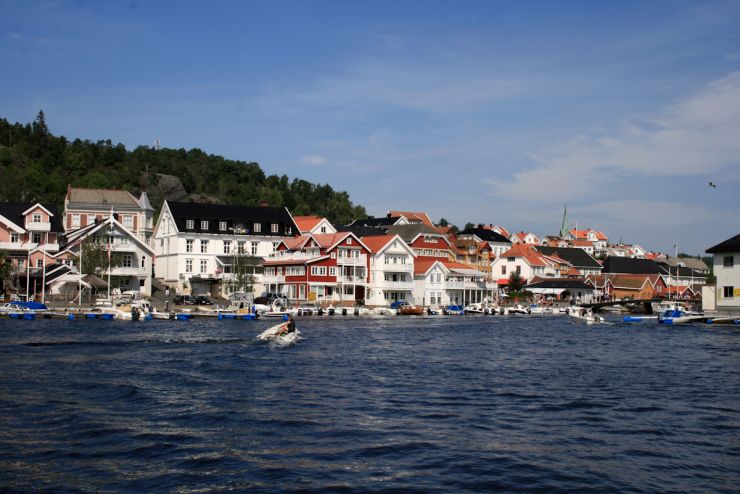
x: 127, y: 261
x: 728, y: 261
x: 728, y: 291
x: 318, y: 270
x: 275, y: 246
x: 36, y: 238
x: 333, y: 255
x: 274, y: 228
x: 39, y: 263
x: 204, y: 225
x: 75, y: 219
x: 227, y: 247
x: 190, y: 224
x: 188, y: 265
x: 349, y: 241
x: 15, y: 238
x: 323, y: 229
x: 503, y: 269
x: 509, y: 259
x: 36, y: 218
x: 189, y: 245
x: 518, y: 270
x: 128, y: 221
x: 349, y: 289
x: 254, y: 248
x: 90, y: 219
x: 204, y: 246
x: 257, y: 228
x: 203, y: 265
x: 332, y: 271
x: 240, y: 247
x: 222, y: 226
x: 143, y: 261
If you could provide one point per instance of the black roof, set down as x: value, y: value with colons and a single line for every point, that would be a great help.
x: 561, y: 283
x: 629, y: 265
x: 485, y: 234
x: 374, y: 222
x: 682, y: 271
x: 362, y: 231
x: 579, y: 258
x: 234, y: 216
x: 729, y: 245
x: 14, y: 212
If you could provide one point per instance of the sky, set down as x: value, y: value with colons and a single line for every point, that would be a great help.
x: 484, y: 112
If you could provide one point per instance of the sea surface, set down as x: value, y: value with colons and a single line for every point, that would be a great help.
x: 406, y: 404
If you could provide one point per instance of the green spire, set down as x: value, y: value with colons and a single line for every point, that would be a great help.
x: 564, y: 226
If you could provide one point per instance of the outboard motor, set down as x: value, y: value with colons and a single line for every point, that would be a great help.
x: 135, y: 314
x: 320, y: 312
x: 331, y: 311
x: 344, y: 311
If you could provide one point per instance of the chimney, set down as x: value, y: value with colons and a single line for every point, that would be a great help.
x: 264, y: 204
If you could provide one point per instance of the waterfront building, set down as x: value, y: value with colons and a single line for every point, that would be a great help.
x: 322, y: 268
x: 579, y: 259
x: 579, y: 290
x: 498, y: 242
x: 426, y: 241
x: 391, y: 270
x: 130, y: 258
x: 630, y: 286
x: 527, y: 261
x: 198, y: 245
x: 724, y: 296
x: 30, y: 234
x: 82, y: 207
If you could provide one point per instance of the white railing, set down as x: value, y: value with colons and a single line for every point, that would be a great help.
x: 397, y: 268
x: 282, y: 256
x: 122, y: 247
x: 273, y: 279
x: 132, y: 271
x: 469, y: 285
x: 351, y: 279
x: 12, y: 246
x: 396, y: 285
x: 360, y: 260
x: 38, y: 226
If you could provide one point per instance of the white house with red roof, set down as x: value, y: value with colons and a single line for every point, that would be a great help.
x: 598, y: 239
x: 329, y: 268
x: 412, y: 217
x: 430, y: 283
x: 440, y: 283
x: 391, y: 270
x: 313, y: 224
x: 524, y: 238
x: 528, y: 262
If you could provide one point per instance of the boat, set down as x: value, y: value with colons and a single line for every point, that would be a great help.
x: 411, y: 310
x: 585, y: 314
x: 639, y: 318
x: 454, y: 310
x: 677, y: 316
x: 384, y: 311
x: 275, y: 333
x: 516, y: 309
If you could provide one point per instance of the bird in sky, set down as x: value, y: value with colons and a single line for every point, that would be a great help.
x: 713, y: 185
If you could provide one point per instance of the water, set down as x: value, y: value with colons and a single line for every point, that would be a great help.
x: 468, y: 404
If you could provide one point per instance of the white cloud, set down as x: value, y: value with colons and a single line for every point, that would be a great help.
x: 313, y: 160
x: 695, y: 136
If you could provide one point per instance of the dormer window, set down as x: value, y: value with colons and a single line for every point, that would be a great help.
x: 257, y: 227
x: 204, y: 225
x: 189, y: 224
x: 36, y: 218
x: 222, y: 226
x: 349, y: 241
x: 274, y: 228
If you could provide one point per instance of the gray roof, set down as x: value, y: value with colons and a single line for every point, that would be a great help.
x: 694, y: 263
x: 411, y: 231
x: 102, y: 197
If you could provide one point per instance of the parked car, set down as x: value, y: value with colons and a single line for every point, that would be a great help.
x: 183, y: 300
x: 202, y: 300
x: 398, y: 304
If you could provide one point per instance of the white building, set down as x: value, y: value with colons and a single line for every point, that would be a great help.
x: 727, y: 271
x: 526, y: 261
x: 133, y: 272
x: 197, y: 244
x: 391, y: 269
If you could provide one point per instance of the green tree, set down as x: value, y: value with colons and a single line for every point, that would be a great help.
x: 516, y: 282
x: 244, y: 269
x: 95, y: 257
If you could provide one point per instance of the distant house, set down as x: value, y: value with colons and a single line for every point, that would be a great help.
x: 499, y: 243
x: 524, y: 238
x: 412, y: 217
x: 391, y: 270
x: 630, y: 286
x: 313, y: 224
x: 30, y: 234
x: 584, y: 263
x: 82, y: 207
x: 526, y: 261
x: 599, y: 239
x: 426, y: 241
x: 726, y: 264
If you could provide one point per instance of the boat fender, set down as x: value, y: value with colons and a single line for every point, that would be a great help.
x: 220, y: 317
x: 70, y: 317
x: 285, y: 317
x: 710, y: 321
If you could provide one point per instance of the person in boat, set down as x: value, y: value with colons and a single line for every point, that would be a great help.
x: 288, y: 326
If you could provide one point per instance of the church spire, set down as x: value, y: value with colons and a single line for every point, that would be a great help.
x: 564, y: 226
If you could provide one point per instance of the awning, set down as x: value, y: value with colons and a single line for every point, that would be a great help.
x: 546, y: 291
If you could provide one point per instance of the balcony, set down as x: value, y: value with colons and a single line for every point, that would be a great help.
x: 396, y: 285
x: 360, y: 260
x: 130, y: 271
x: 351, y: 279
x: 122, y: 247
x: 12, y: 246
x: 396, y: 268
x: 38, y: 226
x: 469, y: 285
x: 273, y: 279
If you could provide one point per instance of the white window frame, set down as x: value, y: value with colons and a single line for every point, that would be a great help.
x: 127, y: 261
x: 15, y: 237
x: 257, y: 227
x: 188, y: 265
x: 76, y: 218
x: 36, y: 217
x: 203, y: 246
x: 222, y: 225
x: 189, y: 224
x: 189, y: 245
x: 204, y: 224
x: 91, y: 217
x: 203, y: 266
x: 274, y: 228
x: 227, y: 246
x: 254, y: 248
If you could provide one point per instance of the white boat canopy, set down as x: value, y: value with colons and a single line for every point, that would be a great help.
x: 546, y: 291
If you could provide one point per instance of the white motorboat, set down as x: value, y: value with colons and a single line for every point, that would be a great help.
x: 585, y: 314
x: 516, y: 309
x: 677, y: 316
x: 277, y: 334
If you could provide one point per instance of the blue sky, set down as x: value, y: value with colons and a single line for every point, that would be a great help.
x: 488, y: 112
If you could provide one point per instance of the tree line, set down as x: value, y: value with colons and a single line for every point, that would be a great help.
x: 37, y: 166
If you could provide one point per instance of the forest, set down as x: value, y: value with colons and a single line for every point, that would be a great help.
x: 37, y: 166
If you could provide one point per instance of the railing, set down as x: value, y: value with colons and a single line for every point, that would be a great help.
x: 396, y: 285
x: 469, y: 285
x: 38, y: 226
x: 122, y: 247
x: 11, y: 246
x: 273, y: 279
x: 127, y: 271
x: 360, y: 260
x: 396, y: 268
x: 351, y: 279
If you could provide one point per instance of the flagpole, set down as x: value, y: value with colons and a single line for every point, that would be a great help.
x: 79, y: 289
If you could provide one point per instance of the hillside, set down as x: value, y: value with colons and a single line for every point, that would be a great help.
x: 37, y: 166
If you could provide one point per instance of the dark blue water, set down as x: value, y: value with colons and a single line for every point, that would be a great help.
x: 469, y: 404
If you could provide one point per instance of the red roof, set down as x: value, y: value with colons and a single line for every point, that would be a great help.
x: 307, y: 223
x: 421, y: 266
x: 412, y: 216
x: 376, y: 243
x: 527, y: 252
